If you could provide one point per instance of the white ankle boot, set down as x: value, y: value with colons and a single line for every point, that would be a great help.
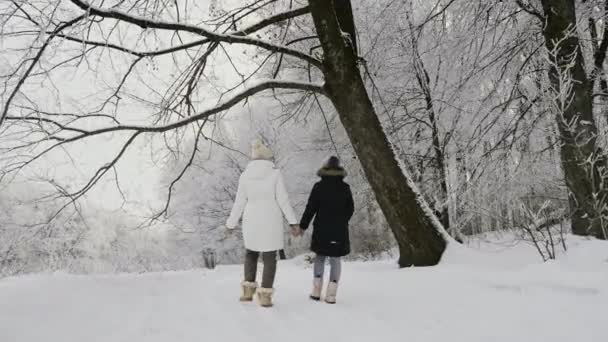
x: 317, y: 286
x: 332, y: 291
x: 248, y: 289
x: 265, y: 297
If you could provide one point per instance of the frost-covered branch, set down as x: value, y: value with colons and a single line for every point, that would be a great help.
x: 34, y: 61
x: 165, y: 209
x: 246, y: 31
x: 223, y: 106
x: 237, y: 37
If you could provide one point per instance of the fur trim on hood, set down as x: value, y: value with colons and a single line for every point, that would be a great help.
x: 331, y: 172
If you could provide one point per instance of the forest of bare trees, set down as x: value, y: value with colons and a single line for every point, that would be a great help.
x: 453, y: 117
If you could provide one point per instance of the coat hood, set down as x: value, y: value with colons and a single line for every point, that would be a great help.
x: 331, y: 172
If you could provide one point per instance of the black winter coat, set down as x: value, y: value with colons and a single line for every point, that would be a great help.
x: 331, y: 204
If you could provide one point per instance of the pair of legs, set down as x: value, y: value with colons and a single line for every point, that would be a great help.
x: 334, y: 276
x: 270, y: 267
x: 335, y: 267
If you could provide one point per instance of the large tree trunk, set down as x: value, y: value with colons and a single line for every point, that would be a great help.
x: 582, y: 160
x: 417, y: 230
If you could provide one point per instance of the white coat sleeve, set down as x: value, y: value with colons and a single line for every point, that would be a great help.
x: 238, y: 206
x: 283, y: 200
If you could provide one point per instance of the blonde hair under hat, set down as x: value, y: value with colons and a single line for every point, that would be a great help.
x: 259, y: 151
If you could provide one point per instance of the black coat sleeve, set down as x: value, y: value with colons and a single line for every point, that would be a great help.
x: 350, y: 203
x: 311, y: 207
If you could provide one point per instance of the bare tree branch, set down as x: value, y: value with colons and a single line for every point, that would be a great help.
x: 232, y: 38
x: 250, y: 91
x: 181, y: 174
x: 528, y: 8
x: 246, y: 31
x: 33, y: 64
x: 264, y: 85
x: 74, y: 196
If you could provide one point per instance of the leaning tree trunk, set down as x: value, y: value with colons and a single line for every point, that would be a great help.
x: 417, y: 230
x: 582, y: 160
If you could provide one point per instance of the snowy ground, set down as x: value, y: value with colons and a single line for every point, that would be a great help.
x: 496, y: 293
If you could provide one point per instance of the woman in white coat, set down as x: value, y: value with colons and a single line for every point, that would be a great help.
x: 262, y: 201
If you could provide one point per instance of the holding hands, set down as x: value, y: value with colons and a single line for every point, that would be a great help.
x: 295, y: 230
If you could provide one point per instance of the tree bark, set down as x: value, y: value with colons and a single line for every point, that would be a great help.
x: 346, y: 20
x: 417, y: 230
x: 582, y: 160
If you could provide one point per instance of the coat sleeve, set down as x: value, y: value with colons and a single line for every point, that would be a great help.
x: 350, y: 203
x: 238, y: 207
x: 311, y: 207
x: 283, y: 200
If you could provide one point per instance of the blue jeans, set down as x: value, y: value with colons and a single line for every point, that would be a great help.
x: 335, y: 267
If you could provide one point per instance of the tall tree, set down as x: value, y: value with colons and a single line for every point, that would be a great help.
x: 438, y: 147
x: 417, y: 230
x: 582, y: 159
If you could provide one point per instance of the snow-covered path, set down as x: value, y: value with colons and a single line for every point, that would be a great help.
x: 461, y: 301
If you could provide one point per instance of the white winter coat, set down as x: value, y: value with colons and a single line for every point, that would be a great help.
x: 262, y: 200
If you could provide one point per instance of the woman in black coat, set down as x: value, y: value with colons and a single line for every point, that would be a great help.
x: 331, y: 205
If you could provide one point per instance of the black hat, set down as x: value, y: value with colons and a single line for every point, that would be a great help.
x: 333, y: 163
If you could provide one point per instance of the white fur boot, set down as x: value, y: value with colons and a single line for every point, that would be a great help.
x: 317, y: 286
x: 265, y: 297
x: 332, y: 291
x: 248, y: 291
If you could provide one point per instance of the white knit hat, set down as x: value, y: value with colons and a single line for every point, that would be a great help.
x: 260, y: 151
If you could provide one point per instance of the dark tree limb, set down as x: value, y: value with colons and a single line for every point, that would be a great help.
x: 250, y: 91
x: 246, y: 31
x: 165, y: 209
x: 233, y: 38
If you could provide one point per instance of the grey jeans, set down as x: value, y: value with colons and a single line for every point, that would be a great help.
x: 335, y: 264
x: 270, y: 267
